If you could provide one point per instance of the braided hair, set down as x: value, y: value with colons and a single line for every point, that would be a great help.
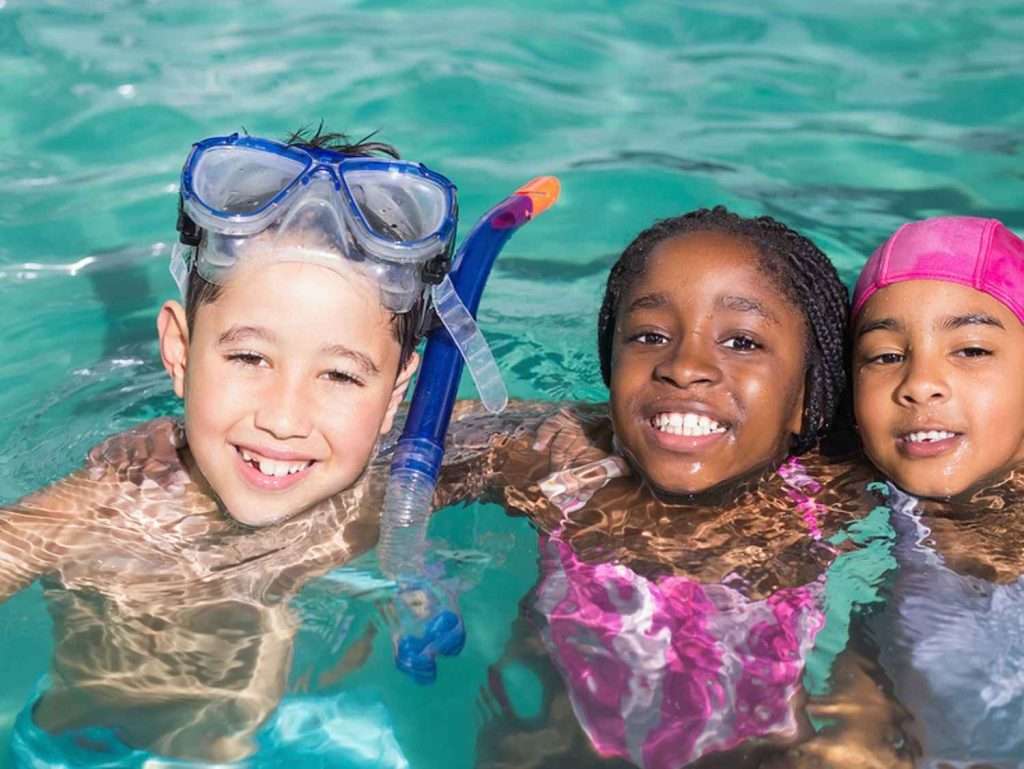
x: 797, y: 267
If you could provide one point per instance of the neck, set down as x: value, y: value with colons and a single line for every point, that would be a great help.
x: 726, y: 493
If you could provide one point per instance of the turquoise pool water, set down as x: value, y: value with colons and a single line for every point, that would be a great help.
x: 841, y: 122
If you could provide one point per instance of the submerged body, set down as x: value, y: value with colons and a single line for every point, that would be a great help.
x: 172, y: 622
x: 951, y: 635
x: 668, y: 633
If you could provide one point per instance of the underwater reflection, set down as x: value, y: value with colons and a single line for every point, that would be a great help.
x: 950, y: 638
x: 666, y: 635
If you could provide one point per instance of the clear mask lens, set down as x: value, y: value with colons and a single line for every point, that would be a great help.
x: 397, y: 207
x: 240, y: 181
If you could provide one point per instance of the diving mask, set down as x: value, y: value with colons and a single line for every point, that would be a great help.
x: 246, y: 199
x: 392, y: 219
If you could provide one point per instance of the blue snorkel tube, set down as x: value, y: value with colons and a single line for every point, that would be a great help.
x: 420, y: 451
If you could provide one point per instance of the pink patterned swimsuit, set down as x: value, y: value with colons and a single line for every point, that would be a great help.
x: 663, y: 672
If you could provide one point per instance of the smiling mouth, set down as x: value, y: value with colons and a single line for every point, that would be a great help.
x: 273, y: 468
x: 687, y: 424
x: 925, y: 444
x: 928, y: 436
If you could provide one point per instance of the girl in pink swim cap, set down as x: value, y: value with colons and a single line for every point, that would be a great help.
x: 938, y: 325
x: 938, y: 360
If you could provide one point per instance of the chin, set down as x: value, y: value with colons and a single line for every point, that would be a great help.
x: 929, y: 490
x: 260, y: 518
x: 666, y: 486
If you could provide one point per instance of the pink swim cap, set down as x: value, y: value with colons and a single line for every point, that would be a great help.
x: 980, y: 253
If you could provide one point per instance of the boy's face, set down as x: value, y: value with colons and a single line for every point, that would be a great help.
x: 938, y: 392
x: 707, y: 365
x: 289, y: 377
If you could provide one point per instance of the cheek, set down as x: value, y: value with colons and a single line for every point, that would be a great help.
x: 997, y: 418
x: 354, y: 419
x: 768, y: 396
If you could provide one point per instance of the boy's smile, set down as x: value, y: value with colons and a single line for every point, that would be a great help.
x: 937, y: 386
x: 707, y: 365
x: 289, y: 378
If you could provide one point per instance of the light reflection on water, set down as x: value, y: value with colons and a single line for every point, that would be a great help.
x: 841, y: 121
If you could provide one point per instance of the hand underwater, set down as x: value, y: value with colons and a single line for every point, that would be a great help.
x: 574, y: 437
x: 575, y: 442
x: 868, y: 728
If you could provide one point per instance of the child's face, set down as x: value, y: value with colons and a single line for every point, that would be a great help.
x: 707, y: 366
x: 289, y: 378
x: 938, y: 392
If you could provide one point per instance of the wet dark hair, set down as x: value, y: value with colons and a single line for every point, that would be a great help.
x: 798, y: 268
x: 406, y: 325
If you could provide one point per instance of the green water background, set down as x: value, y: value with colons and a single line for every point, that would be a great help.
x: 843, y: 121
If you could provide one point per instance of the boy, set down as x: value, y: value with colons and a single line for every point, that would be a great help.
x: 167, y: 559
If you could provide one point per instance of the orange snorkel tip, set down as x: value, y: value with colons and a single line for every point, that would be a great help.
x: 542, y: 191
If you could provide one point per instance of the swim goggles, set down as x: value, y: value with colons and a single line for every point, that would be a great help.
x: 244, y: 198
x: 248, y: 199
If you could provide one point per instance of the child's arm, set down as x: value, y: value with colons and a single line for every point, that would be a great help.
x: 488, y: 454
x: 866, y: 727
x: 40, y: 530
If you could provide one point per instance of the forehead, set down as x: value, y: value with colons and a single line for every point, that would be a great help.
x: 920, y: 304
x: 301, y: 297
x: 695, y: 265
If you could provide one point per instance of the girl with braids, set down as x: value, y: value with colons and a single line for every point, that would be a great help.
x: 683, y: 570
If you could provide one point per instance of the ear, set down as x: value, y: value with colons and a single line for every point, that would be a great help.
x: 397, y: 394
x: 173, y: 331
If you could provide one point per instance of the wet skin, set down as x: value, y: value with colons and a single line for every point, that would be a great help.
x: 938, y: 393
x: 145, y: 572
x: 289, y: 378
x: 171, y: 624
x: 171, y: 621
x: 704, y: 332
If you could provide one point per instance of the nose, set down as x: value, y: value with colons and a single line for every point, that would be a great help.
x: 922, y: 384
x: 283, y: 409
x: 687, y: 363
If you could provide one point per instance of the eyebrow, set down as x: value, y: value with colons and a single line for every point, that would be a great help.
x: 242, y: 333
x: 648, y: 302
x: 364, y: 361
x: 745, y: 304
x: 950, y: 323
x: 237, y: 334
x: 733, y: 303
x: 882, y: 324
x: 971, y: 319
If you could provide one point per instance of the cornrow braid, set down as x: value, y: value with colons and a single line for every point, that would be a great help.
x: 798, y: 268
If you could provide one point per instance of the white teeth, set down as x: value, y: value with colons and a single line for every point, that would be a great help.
x: 273, y: 467
x: 689, y: 424
x: 927, y: 436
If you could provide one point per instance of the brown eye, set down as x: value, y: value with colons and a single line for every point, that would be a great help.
x: 648, y: 338
x: 741, y: 343
x: 247, y: 358
x: 973, y: 352
x: 343, y: 377
x: 886, y: 358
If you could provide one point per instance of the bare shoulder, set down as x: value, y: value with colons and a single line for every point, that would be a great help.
x: 144, y: 456
x: 147, y: 454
